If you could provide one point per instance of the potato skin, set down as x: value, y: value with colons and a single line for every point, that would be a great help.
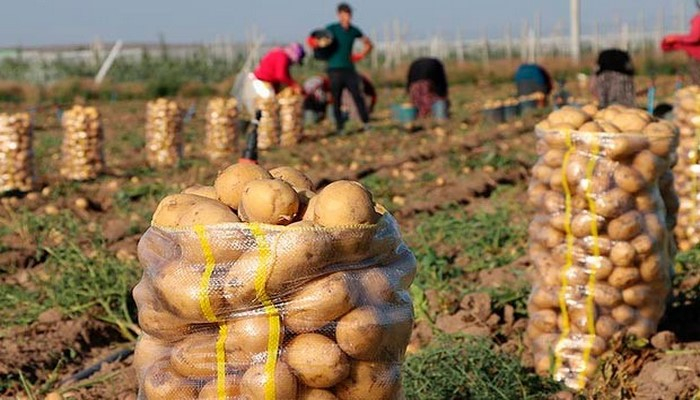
x: 187, y: 210
x: 316, y: 394
x: 294, y: 177
x: 316, y: 360
x: 254, y: 380
x: 232, y: 388
x: 230, y: 182
x: 320, y: 302
x: 148, y: 351
x: 370, y: 380
x: 161, y: 382
x: 204, y: 191
x: 268, y: 201
x: 344, y: 203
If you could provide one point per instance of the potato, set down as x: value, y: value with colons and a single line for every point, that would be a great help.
x: 607, y: 327
x: 293, y: 176
x: 546, y: 297
x: 376, y: 334
x: 232, y: 389
x: 554, y: 158
x: 582, y: 224
x: 568, y: 115
x: 149, y: 350
x: 655, y: 268
x: 320, y: 302
x: 643, y: 328
x: 662, y: 139
x: 535, y: 194
x: 622, y: 254
x: 542, y: 172
x: 591, y: 126
x: 378, y: 285
x: 544, y: 320
x: 639, y: 295
x: 590, y: 109
x: 179, y: 286
x: 204, y: 191
x: 187, y: 210
x: 371, y: 380
x: 630, y: 122
x: 195, y: 357
x: 316, y: 394
x: 554, y: 202
x: 269, y: 201
x: 626, y: 227
x: 601, y: 265
x: 551, y: 237
x: 255, y: 379
x: 249, y: 335
x: 310, y: 211
x: 163, y: 383
x: 603, y: 242
x: 629, y: 179
x: 647, y: 202
x: 316, y: 360
x: 608, y: 127
x: 344, y: 203
x: 644, y: 244
x: 230, y: 182
x: 624, y: 277
x: 614, y: 203
x: 654, y: 225
x: 543, y: 365
x: 649, y: 165
x: 305, y: 197
x: 606, y: 295
x: 154, y: 319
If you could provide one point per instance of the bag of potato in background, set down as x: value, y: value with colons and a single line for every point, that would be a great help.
x: 269, y: 124
x: 82, y: 157
x: 687, y: 171
x: 221, y: 135
x: 600, y: 241
x: 163, y: 133
x: 291, y: 117
x: 16, y: 157
x: 258, y: 288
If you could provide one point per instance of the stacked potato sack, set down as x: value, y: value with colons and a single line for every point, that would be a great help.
x: 163, y: 133
x: 16, y: 171
x: 601, y: 240
x: 269, y: 127
x: 687, y: 172
x: 258, y: 288
x: 291, y: 117
x: 81, y: 151
x: 221, y: 135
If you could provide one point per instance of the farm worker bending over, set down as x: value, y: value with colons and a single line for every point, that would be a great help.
x: 341, y: 65
x: 533, y: 78
x: 427, y: 84
x: 273, y: 74
x: 613, y: 82
x: 689, y: 43
x: 318, y: 96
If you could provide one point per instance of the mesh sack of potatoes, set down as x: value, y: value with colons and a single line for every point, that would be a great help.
x: 269, y: 124
x: 82, y: 157
x: 600, y: 239
x: 16, y: 170
x: 258, y: 288
x: 221, y: 135
x: 687, y: 171
x: 163, y: 133
x: 291, y: 117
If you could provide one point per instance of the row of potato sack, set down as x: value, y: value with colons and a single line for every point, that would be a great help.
x: 601, y: 240
x: 16, y: 157
x: 687, y: 172
x: 82, y: 155
x: 282, y: 119
x: 258, y: 288
x: 221, y: 130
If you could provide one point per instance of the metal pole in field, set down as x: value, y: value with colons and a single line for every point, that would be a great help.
x: 575, y: 30
x: 108, y: 62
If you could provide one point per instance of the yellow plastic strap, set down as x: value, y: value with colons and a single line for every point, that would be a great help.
x: 590, y: 305
x: 566, y: 325
x: 205, y: 305
x: 273, y: 339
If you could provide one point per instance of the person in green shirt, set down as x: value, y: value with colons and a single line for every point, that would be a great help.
x: 341, y: 65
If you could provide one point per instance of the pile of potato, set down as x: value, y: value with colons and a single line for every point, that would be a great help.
x: 16, y: 173
x: 291, y: 117
x: 82, y: 157
x: 687, y: 171
x: 269, y: 124
x: 221, y: 135
x: 600, y: 241
x: 163, y: 133
x: 259, y: 285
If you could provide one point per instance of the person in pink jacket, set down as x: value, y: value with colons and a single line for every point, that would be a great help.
x: 690, y: 43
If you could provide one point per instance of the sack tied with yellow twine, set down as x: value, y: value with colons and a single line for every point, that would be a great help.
x: 254, y: 310
x: 687, y: 171
x: 600, y: 240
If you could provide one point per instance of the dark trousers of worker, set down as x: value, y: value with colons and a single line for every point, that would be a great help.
x: 341, y: 79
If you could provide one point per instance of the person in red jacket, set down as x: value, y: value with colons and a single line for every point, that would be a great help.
x: 273, y: 74
x: 689, y: 43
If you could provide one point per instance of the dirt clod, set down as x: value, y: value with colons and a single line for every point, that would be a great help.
x: 663, y: 340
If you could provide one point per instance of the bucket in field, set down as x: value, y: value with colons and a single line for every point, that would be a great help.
x: 494, y: 114
x: 404, y: 113
x: 511, y: 112
x: 527, y: 106
x: 440, y: 110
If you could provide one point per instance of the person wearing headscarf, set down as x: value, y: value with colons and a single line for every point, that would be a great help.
x: 426, y: 84
x: 613, y: 81
x: 533, y: 78
x: 273, y: 73
x: 690, y: 43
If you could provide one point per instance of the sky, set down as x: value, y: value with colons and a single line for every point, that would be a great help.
x: 45, y: 22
